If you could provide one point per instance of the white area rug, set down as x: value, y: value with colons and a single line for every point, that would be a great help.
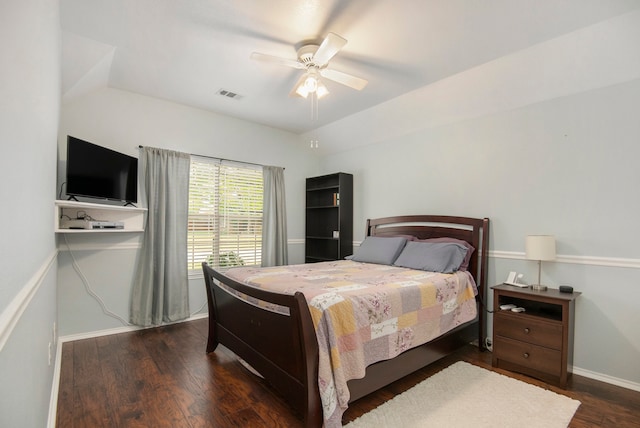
x: 464, y: 395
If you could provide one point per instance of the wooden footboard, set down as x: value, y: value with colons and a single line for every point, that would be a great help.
x: 282, y: 348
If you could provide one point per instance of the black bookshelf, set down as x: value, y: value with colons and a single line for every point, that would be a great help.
x: 329, y: 217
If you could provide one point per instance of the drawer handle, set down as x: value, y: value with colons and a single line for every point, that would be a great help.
x: 526, y: 330
x: 525, y: 355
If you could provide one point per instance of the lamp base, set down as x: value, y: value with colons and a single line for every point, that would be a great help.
x: 539, y: 287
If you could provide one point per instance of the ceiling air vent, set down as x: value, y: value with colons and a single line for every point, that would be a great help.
x: 229, y: 94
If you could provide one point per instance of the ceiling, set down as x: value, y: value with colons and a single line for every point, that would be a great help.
x: 186, y: 51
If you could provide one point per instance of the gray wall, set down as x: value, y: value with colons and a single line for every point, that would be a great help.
x: 29, y: 109
x: 121, y: 121
x: 565, y: 167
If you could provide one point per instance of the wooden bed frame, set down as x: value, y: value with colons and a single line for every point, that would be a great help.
x: 284, y: 349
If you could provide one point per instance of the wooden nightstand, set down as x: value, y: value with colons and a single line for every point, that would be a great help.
x: 539, y: 341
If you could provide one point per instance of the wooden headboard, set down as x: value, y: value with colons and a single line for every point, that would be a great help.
x: 473, y: 230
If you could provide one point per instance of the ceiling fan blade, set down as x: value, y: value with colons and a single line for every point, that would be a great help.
x: 344, y: 78
x: 330, y: 46
x: 276, y: 60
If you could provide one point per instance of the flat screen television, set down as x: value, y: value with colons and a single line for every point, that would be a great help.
x: 97, y: 172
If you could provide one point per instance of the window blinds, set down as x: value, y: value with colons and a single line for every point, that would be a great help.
x: 225, y: 213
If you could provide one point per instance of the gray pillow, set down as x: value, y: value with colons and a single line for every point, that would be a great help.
x: 469, y: 247
x: 432, y: 256
x: 380, y: 250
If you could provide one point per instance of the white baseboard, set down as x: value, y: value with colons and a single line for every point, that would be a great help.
x: 124, y: 329
x: 55, y: 387
x: 607, y: 379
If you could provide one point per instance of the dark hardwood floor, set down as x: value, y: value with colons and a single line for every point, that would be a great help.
x: 162, y: 377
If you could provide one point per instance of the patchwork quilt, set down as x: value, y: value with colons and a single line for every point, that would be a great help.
x: 364, y: 313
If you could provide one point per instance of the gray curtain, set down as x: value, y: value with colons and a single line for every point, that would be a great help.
x: 160, y: 290
x: 274, y: 218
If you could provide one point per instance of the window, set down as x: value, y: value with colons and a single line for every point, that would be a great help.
x: 225, y: 213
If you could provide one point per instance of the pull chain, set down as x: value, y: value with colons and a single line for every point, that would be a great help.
x: 314, y: 118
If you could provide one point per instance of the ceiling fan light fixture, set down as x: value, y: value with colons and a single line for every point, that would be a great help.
x: 321, y: 90
x: 311, y: 83
x: 302, y: 91
x: 315, y: 59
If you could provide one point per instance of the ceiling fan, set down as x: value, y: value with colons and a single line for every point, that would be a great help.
x: 315, y: 60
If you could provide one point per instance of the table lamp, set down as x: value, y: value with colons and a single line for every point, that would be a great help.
x: 540, y: 247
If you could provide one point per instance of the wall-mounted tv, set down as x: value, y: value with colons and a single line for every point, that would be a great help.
x: 97, y: 172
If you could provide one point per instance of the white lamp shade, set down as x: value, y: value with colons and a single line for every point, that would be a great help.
x: 311, y: 83
x: 302, y: 91
x: 540, y: 247
x: 322, y: 90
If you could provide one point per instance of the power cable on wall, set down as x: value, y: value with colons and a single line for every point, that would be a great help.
x: 92, y: 293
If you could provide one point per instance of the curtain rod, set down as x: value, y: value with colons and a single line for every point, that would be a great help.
x: 221, y: 159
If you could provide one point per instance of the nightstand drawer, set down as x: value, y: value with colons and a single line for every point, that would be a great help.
x: 525, y: 354
x: 537, y: 332
x: 539, y: 341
